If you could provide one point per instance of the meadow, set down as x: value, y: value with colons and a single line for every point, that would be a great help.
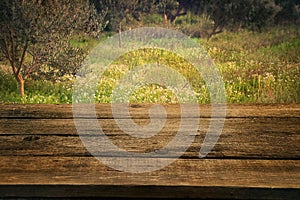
x: 256, y: 67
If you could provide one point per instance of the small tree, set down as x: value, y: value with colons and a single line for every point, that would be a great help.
x: 171, y: 9
x: 118, y: 11
x: 231, y: 14
x: 225, y: 14
x: 36, y: 33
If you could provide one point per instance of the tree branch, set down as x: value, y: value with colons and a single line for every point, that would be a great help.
x: 30, y: 70
x: 13, y: 55
x: 22, y: 57
x: 180, y: 8
x: 215, y: 30
x: 4, y: 49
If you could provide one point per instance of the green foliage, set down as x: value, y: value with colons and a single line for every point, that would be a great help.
x: 289, y: 12
x: 224, y: 14
x: 235, y: 14
x: 218, y: 15
x: 150, y: 92
x: 257, y: 67
x: 123, y: 14
x: 37, y: 91
x: 8, y: 92
x: 199, y: 26
x: 153, y: 20
x: 35, y: 35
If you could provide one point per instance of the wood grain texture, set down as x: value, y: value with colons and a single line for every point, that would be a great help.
x: 256, y: 156
x: 241, y: 137
x: 194, y: 174
x: 42, y: 111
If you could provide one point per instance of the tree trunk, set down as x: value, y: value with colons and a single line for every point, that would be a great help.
x: 166, y: 21
x: 120, y: 34
x: 21, y: 87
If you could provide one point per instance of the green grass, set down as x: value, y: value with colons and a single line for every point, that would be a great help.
x: 257, y: 67
x: 38, y: 91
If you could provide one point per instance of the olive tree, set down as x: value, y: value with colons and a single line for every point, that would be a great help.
x: 225, y: 14
x: 36, y: 33
x: 171, y: 9
x: 120, y: 11
x: 232, y: 14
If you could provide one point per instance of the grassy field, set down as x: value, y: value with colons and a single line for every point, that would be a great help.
x: 257, y: 67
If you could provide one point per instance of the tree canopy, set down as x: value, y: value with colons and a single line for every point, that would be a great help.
x: 230, y: 14
x: 36, y: 33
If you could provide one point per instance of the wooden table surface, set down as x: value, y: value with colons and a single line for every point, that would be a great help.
x: 256, y: 156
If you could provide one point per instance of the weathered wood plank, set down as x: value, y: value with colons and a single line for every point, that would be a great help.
x: 183, y: 178
x: 249, y: 138
x: 109, y: 126
x: 41, y: 111
x: 192, y: 172
x: 240, y: 138
x: 256, y: 157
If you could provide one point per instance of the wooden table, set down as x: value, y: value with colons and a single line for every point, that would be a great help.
x: 256, y: 156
